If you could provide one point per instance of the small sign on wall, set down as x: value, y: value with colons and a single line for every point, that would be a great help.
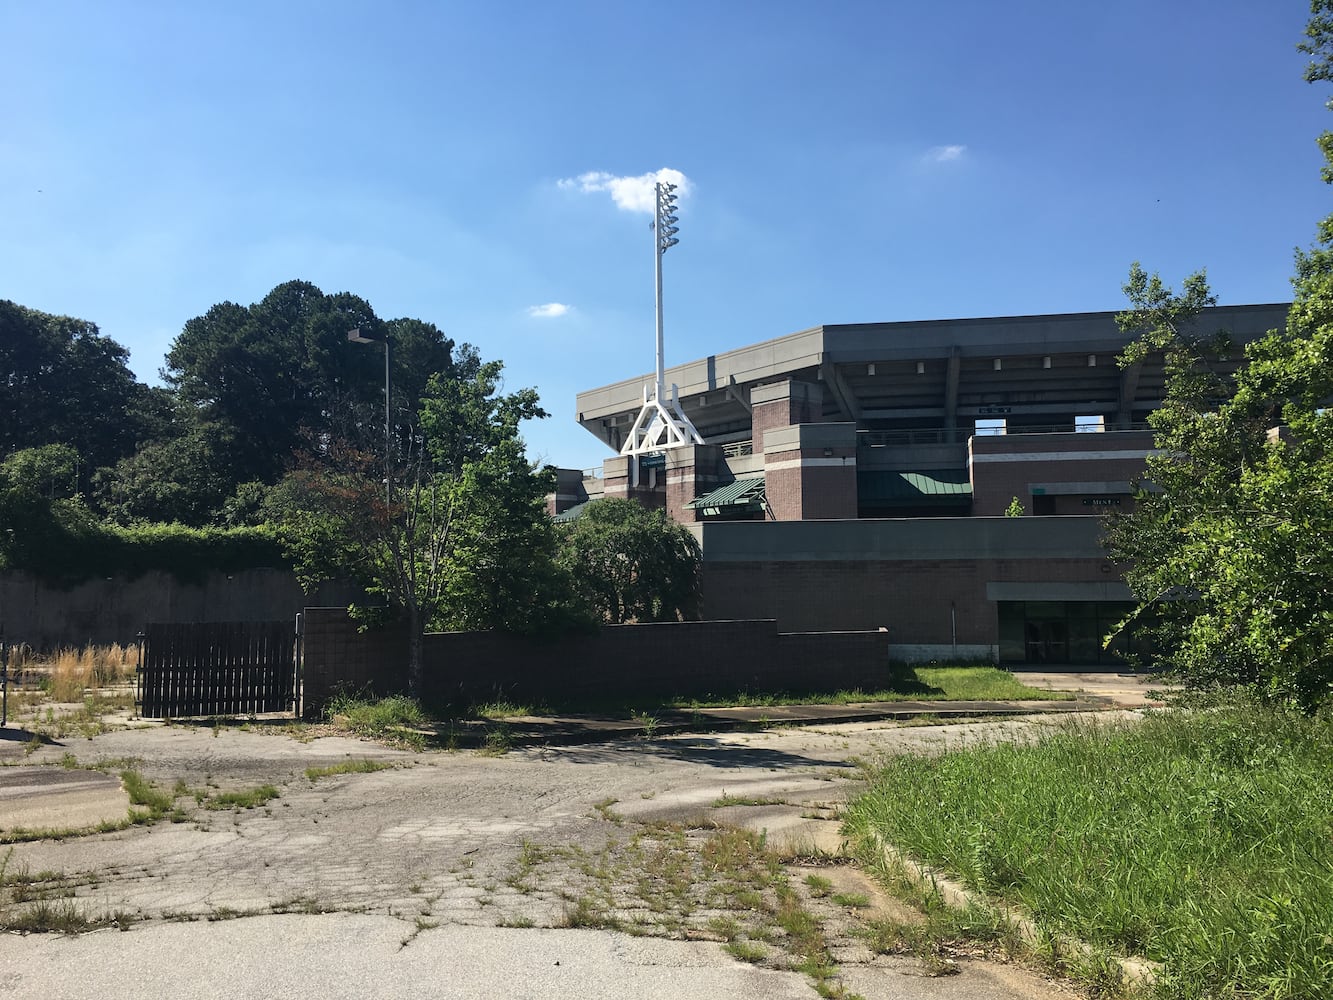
x: 1101, y: 501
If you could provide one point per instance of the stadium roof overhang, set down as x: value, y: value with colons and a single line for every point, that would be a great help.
x: 919, y: 371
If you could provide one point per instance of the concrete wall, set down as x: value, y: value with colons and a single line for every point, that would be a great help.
x: 114, y: 610
x: 620, y: 661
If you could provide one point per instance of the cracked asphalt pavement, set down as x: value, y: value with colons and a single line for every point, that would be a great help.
x: 495, y: 875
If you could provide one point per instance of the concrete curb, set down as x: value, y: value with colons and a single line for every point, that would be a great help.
x: 1138, y: 974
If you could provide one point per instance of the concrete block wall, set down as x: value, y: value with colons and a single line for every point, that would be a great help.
x: 337, y: 656
x: 678, y: 659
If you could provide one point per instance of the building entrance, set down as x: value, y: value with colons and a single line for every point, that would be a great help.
x: 1062, y: 632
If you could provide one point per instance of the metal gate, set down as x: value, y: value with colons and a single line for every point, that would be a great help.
x: 217, y: 668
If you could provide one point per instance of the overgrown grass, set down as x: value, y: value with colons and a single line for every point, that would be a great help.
x: 357, y: 766
x: 981, y: 684
x: 145, y: 793
x: 71, y: 674
x: 1203, y: 841
x: 506, y: 709
x: 246, y: 798
x: 379, y: 718
x: 395, y: 716
x: 920, y: 684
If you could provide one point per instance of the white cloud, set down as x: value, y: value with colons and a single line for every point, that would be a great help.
x: 548, y: 311
x: 944, y: 154
x: 631, y: 194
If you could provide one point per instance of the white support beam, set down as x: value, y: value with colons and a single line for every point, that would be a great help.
x: 660, y: 427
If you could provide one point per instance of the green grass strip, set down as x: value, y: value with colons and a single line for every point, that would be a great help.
x: 1202, y: 841
x: 248, y: 798
x: 356, y: 766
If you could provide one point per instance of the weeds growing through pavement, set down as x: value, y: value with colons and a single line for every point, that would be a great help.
x: 394, y: 718
x: 248, y: 798
x: 498, y: 741
x: 357, y: 766
x: 70, y: 674
x: 45, y: 902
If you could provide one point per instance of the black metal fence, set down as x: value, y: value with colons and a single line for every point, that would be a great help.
x: 217, y: 668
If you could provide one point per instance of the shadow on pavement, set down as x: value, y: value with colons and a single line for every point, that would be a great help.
x: 698, y: 750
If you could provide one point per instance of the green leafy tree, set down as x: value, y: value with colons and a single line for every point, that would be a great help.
x: 50, y: 471
x: 62, y: 382
x: 459, y: 539
x: 632, y: 564
x: 1228, y: 548
x: 255, y: 381
x: 183, y: 478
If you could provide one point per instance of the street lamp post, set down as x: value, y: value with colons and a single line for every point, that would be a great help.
x: 356, y: 337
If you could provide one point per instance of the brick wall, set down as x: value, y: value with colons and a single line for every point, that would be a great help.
x: 784, y: 403
x: 616, y: 477
x: 917, y: 601
x: 623, y: 661
x: 810, y: 471
x: 691, y: 472
x: 1006, y: 466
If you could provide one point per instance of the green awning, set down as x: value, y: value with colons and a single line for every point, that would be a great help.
x: 745, y: 493
x: 938, y: 486
x: 572, y: 514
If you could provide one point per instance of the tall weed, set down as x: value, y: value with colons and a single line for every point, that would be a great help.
x: 74, y: 672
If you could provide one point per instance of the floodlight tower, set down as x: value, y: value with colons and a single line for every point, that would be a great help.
x: 661, y: 424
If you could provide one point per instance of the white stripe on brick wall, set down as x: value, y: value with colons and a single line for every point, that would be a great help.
x: 1064, y: 456
x: 811, y: 463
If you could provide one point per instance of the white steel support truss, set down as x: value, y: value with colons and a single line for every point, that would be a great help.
x: 661, y: 425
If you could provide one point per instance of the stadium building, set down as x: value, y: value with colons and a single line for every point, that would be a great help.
x: 860, y: 476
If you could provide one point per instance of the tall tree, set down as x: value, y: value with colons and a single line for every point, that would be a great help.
x: 632, y: 564
x: 62, y: 382
x: 268, y: 373
x: 459, y: 538
x: 1228, y: 549
x: 248, y: 384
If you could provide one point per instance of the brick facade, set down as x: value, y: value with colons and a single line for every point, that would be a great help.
x: 784, y: 403
x: 810, y: 471
x: 917, y: 601
x: 617, y: 480
x: 691, y: 472
x: 1073, y: 467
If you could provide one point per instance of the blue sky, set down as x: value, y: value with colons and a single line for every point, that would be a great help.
x: 844, y: 162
